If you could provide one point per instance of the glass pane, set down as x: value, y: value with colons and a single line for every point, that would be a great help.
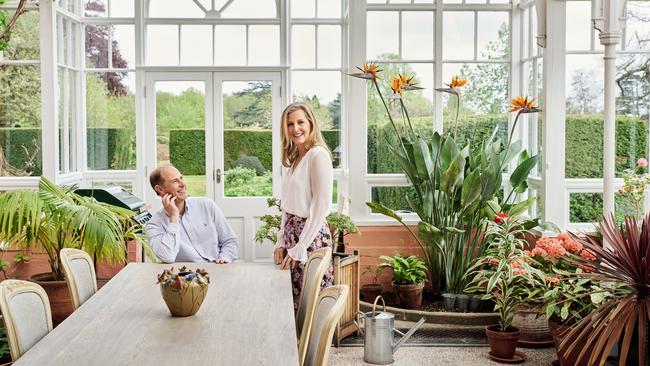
x: 248, y: 122
x: 527, y: 38
x: 417, y: 35
x: 95, y: 8
x: 458, y: 35
x: 419, y: 104
x: 110, y: 121
x: 61, y: 82
x: 196, y: 45
x: 329, y: 46
x: 382, y: 34
x: 484, y: 100
x: 303, y: 9
x: 493, y: 35
x: 578, y: 29
x: 123, y: 46
x: 303, y: 49
x: 230, y: 45
x: 250, y: 9
x: 585, y: 207
x: 162, y: 45
x: 393, y: 197
x: 97, y: 46
x: 24, y: 43
x: 263, y: 45
x: 637, y: 29
x: 122, y: 9
x: 110, y: 183
x: 175, y: 9
x: 584, y: 116
x: 329, y: 8
x: 322, y: 91
x: 180, y: 130
x: 20, y: 119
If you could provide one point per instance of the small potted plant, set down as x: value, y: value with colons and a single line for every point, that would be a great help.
x: 370, y: 291
x: 341, y: 225
x: 409, y: 274
x: 504, y: 276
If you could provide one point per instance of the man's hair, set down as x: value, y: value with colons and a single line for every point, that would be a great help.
x: 156, y: 178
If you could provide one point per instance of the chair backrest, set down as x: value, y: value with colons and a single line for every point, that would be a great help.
x: 26, y: 311
x: 314, y: 271
x: 79, y: 274
x: 328, y: 311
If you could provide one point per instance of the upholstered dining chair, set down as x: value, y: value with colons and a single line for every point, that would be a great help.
x: 79, y: 274
x: 327, y: 312
x: 27, y: 315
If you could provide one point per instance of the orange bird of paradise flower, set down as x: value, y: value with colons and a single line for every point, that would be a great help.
x: 452, y: 87
x: 408, y: 83
x: 370, y: 71
x: 523, y: 105
x: 397, y: 84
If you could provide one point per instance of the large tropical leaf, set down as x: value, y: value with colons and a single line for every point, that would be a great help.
x: 522, y: 171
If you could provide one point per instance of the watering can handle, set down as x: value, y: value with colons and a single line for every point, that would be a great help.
x: 374, y: 305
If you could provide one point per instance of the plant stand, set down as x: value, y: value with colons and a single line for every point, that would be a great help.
x: 347, y: 272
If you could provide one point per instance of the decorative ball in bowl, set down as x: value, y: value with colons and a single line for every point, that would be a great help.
x: 183, y: 291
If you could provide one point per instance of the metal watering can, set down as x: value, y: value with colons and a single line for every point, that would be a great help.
x: 379, y: 345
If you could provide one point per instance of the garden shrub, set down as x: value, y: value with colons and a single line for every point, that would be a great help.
x: 251, y: 162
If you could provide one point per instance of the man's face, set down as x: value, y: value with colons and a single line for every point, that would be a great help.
x: 173, y: 183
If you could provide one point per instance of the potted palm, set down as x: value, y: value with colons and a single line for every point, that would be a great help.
x: 54, y: 217
x: 503, y: 275
x: 409, y: 274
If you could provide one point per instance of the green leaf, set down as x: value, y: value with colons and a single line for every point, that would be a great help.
x: 521, y: 172
x: 471, y: 189
x: 428, y: 232
x: 376, y: 206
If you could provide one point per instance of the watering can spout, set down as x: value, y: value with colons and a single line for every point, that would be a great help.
x: 407, y: 335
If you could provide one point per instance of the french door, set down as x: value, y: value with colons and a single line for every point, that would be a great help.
x: 221, y: 130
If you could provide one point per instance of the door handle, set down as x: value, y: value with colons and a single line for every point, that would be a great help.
x: 217, y: 175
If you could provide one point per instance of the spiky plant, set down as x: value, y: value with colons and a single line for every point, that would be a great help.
x: 624, y: 263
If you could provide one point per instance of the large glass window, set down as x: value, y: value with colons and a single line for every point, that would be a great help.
x: 20, y: 99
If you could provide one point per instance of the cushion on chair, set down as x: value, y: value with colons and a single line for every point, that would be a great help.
x: 30, y: 318
x: 82, y: 271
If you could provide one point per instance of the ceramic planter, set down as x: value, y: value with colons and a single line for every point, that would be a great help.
x: 558, y: 330
x: 58, y: 294
x: 184, y: 301
x: 502, y: 344
x: 371, y: 291
x: 409, y: 296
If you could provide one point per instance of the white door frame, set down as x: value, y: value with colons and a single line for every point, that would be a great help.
x: 242, y: 212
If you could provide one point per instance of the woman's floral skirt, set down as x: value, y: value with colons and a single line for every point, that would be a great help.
x: 292, y: 229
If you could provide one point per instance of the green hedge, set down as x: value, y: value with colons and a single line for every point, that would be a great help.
x: 108, y: 148
x: 187, y: 147
x: 12, y: 140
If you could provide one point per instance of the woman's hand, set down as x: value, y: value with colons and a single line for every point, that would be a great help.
x: 288, y: 262
x: 278, y: 255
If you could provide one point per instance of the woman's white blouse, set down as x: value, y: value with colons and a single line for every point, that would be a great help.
x: 307, y: 193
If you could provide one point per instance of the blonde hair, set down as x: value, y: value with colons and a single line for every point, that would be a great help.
x: 315, y: 138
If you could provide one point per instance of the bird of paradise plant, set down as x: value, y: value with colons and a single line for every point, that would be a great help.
x: 456, y: 186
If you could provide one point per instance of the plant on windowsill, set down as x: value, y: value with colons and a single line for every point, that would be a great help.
x: 370, y: 291
x: 341, y: 225
x: 504, y: 275
x: 456, y: 185
x: 409, y: 275
x: 54, y: 217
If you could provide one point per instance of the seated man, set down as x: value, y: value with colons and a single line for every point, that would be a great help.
x: 187, y: 229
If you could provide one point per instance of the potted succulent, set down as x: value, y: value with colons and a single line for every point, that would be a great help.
x: 504, y: 276
x: 54, y: 217
x: 409, y: 274
x: 370, y: 291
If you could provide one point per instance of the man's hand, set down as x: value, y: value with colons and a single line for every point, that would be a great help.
x: 288, y: 262
x: 220, y: 261
x: 169, y: 204
x: 278, y: 255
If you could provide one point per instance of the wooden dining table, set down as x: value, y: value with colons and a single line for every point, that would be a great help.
x: 246, y: 319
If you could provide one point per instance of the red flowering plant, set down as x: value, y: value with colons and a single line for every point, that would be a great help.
x: 565, y: 295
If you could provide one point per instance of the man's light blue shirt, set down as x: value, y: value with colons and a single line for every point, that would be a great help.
x: 201, y: 235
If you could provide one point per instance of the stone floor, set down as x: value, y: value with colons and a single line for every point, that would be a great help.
x: 432, y: 356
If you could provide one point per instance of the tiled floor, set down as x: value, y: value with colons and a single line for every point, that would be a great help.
x: 432, y: 356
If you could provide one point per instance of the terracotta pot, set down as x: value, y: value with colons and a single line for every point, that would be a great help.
x: 185, y: 301
x: 558, y: 330
x: 409, y: 296
x: 58, y: 294
x: 371, y: 291
x: 502, y: 344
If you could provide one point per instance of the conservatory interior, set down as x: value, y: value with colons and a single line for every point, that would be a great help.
x: 488, y: 196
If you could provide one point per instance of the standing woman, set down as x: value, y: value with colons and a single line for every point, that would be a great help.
x: 306, y: 194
